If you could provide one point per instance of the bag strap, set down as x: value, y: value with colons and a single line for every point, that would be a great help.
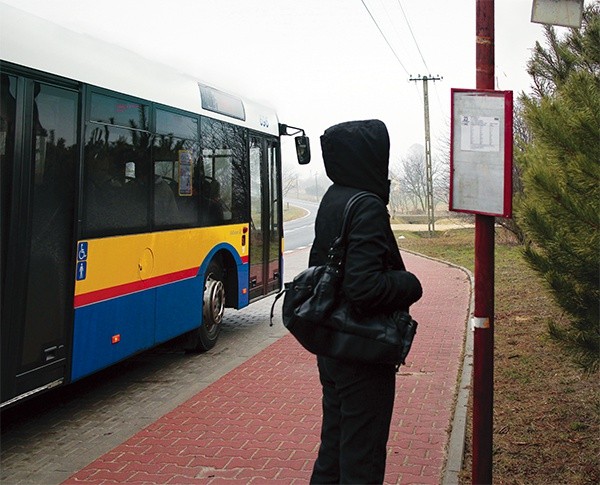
x: 337, y: 249
x: 277, y: 297
x: 347, y: 216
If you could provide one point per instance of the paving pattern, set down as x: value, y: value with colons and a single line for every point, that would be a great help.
x: 259, y: 423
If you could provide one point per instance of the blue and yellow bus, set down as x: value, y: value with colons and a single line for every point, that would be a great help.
x: 137, y: 203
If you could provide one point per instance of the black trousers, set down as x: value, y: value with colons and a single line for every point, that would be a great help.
x: 358, y: 400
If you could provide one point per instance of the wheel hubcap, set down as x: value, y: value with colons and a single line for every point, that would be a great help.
x: 214, y: 302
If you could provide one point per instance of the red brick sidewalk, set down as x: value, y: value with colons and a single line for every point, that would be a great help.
x: 260, y: 423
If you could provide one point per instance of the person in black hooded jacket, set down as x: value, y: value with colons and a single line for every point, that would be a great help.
x: 358, y: 398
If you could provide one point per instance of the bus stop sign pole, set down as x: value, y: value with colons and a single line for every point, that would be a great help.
x: 483, y: 351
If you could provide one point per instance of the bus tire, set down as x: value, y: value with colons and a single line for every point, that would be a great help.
x: 213, y: 308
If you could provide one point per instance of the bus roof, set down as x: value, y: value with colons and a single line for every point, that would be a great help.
x: 33, y: 42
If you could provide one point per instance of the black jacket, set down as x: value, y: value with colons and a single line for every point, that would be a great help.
x: 356, y: 157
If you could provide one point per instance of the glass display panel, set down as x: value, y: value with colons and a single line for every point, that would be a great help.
x: 222, y: 103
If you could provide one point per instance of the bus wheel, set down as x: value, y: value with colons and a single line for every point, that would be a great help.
x: 213, y: 309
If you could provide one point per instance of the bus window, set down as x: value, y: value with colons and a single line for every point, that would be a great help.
x: 173, y: 124
x: 7, y: 141
x: 116, y: 189
x: 256, y: 222
x: 222, y: 173
x: 54, y: 140
x: 117, y: 170
x: 175, y: 157
x: 120, y: 112
x: 175, y: 186
x: 166, y: 210
x: 275, y: 230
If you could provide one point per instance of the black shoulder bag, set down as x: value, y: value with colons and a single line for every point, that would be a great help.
x: 315, y: 312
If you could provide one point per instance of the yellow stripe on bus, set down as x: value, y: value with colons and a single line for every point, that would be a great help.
x: 120, y: 260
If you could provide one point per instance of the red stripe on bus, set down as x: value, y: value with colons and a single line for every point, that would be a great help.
x: 121, y: 290
x: 245, y: 259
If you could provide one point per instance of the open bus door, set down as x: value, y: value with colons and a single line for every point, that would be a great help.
x: 38, y: 150
x: 266, y: 217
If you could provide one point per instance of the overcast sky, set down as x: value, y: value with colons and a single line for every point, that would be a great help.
x: 318, y: 62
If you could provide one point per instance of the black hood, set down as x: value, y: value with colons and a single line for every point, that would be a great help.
x: 357, y: 154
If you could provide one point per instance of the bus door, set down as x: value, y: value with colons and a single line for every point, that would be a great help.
x: 265, y: 213
x: 38, y: 149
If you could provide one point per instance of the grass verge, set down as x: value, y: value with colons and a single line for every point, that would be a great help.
x: 291, y: 212
x: 546, y: 410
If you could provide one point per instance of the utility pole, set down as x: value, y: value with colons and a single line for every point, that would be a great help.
x: 428, y: 168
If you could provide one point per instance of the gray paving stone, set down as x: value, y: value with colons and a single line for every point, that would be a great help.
x: 48, y: 448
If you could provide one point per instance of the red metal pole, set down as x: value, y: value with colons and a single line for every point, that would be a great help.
x: 483, y: 351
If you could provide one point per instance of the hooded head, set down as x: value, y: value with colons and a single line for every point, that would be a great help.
x: 356, y: 154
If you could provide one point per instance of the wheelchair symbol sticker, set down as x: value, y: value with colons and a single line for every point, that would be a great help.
x: 82, y: 251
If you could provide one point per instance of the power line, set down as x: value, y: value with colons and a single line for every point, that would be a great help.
x: 413, y: 36
x: 385, y: 38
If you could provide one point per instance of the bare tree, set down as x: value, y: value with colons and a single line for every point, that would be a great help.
x: 289, y: 182
x: 441, y: 171
x: 397, y: 200
x: 413, y: 182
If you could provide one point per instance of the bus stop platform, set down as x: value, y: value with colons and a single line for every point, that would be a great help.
x: 260, y: 423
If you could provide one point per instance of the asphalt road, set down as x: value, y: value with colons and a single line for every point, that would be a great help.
x: 300, y: 233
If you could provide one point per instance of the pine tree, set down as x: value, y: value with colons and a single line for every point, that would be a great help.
x: 559, y: 210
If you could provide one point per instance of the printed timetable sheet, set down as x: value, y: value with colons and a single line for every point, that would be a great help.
x: 481, y: 152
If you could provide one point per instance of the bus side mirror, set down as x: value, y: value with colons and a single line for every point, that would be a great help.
x: 302, y: 149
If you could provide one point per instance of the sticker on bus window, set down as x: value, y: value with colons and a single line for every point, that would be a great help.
x: 185, y: 173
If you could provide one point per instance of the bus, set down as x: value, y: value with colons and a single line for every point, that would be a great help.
x: 137, y: 203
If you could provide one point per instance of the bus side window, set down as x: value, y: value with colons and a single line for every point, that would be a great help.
x: 103, y: 190
x: 175, y: 155
x: 166, y: 211
x: 211, y: 191
x: 116, y: 167
x: 224, y: 153
x: 175, y: 189
x: 116, y: 188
